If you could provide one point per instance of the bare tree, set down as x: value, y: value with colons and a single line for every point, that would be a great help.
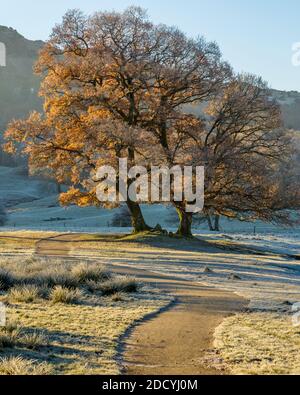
x: 245, y: 149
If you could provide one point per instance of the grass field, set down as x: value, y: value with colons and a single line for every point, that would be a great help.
x: 66, y: 317
x: 259, y: 343
x: 83, y: 326
x: 21, y: 242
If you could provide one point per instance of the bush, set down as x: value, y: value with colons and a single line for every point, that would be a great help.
x: 63, y: 295
x: 117, y: 285
x: 17, y: 366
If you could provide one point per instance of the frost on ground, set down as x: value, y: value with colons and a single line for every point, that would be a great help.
x: 278, y: 242
x: 270, y: 279
x: 32, y: 204
x: 21, y: 242
x: 259, y: 343
x: 67, y: 316
x: 263, y: 340
x: 267, y: 280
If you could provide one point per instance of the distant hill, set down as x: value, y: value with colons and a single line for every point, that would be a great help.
x: 290, y: 105
x: 18, y: 85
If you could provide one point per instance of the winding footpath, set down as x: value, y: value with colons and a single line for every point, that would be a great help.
x: 176, y: 340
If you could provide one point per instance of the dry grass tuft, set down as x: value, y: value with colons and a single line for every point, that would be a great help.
x: 46, y: 292
x: 63, y: 295
x: 49, y: 274
x: 57, y: 277
x: 119, y: 284
x: 86, y: 272
x: 119, y: 297
x: 24, y: 294
x: 12, y: 336
x: 34, y: 340
x: 6, y: 280
x: 9, y: 337
x: 18, y: 366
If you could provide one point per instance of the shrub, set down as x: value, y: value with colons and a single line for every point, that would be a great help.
x: 63, y: 295
x: 24, y: 294
x: 119, y: 284
x: 17, y: 366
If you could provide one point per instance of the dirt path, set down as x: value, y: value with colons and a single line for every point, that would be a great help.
x: 54, y: 246
x: 176, y: 340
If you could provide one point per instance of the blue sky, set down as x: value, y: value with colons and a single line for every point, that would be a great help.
x: 254, y: 35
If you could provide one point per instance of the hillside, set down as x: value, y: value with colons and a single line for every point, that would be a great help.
x: 290, y: 104
x: 18, y: 85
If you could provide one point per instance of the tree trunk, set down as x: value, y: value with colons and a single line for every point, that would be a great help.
x: 217, y: 223
x: 185, y: 222
x: 214, y: 227
x: 58, y: 188
x: 137, y: 218
x: 211, y: 228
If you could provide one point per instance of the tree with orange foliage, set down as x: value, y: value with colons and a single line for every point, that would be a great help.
x: 117, y: 86
x: 111, y: 84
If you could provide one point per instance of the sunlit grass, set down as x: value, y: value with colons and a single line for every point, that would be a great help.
x: 21, y: 242
x: 260, y: 343
x: 18, y: 366
x: 70, y: 316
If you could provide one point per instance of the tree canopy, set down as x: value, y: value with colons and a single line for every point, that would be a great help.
x: 117, y: 86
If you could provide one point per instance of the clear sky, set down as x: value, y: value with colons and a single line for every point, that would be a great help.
x: 254, y: 35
